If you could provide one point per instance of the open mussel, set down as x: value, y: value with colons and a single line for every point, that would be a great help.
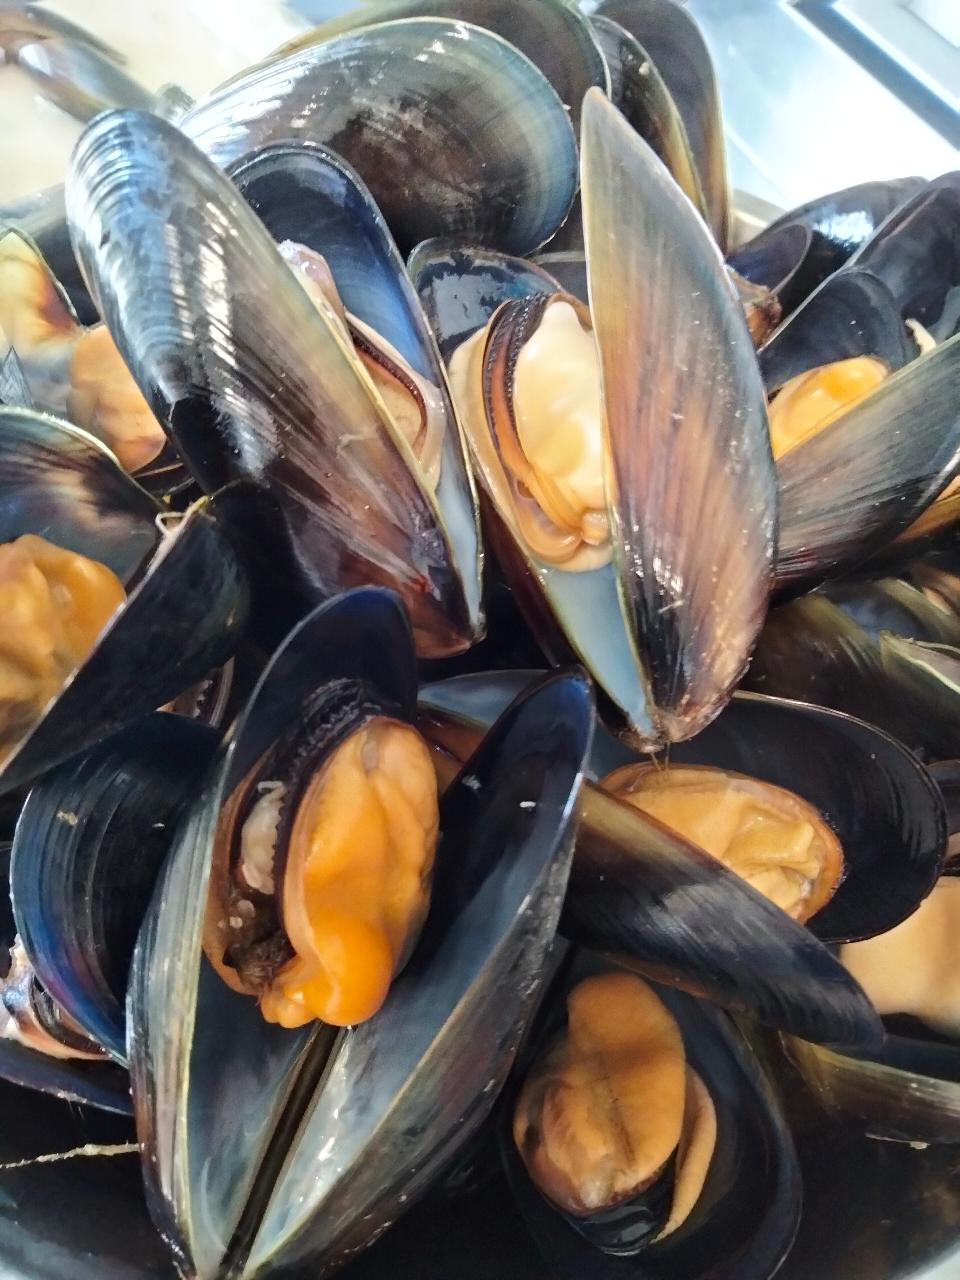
x: 881, y: 650
x: 645, y: 1141
x: 343, y: 1127
x: 256, y: 380
x: 52, y: 363
x: 41, y: 1047
x: 833, y: 227
x: 115, y: 615
x: 605, y: 500
x: 663, y: 906
x: 850, y: 480
x: 909, y: 1089
x: 90, y: 843
x: 335, y: 239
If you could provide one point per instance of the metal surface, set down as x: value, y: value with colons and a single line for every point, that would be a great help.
x: 802, y: 116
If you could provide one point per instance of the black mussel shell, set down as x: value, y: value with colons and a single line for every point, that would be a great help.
x: 461, y: 288
x: 553, y: 34
x: 253, y: 381
x: 523, y: 767
x: 775, y: 263
x: 183, y: 618
x: 890, y: 604
x: 308, y: 195
x: 851, y: 314
x: 221, y: 1059
x: 863, y: 478
x: 747, y: 1214
x: 907, y: 1091
x: 90, y: 843
x: 671, y: 37
x: 916, y: 253
x: 454, y: 131
x: 881, y: 802
x: 102, y: 1085
x: 841, y: 222
x: 57, y: 481
x: 639, y: 91
x: 662, y: 906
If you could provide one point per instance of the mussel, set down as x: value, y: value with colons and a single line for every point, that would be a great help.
x: 645, y: 1141
x: 254, y: 382
x: 909, y: 1089
x: 599, y: 450
x: 114, y: 616
x: 381, y: 1098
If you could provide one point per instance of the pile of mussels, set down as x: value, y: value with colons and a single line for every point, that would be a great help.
x: 323, y: 869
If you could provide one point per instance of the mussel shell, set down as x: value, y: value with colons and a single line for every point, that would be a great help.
x: 926, y: 679
x: 851, y: 314
x: 252, y: 381
x: 553, y: 34
x: 882, y: 803
x: 907, y: 1091
x: 639, y: 91
x: 306, y: 194
x: 878, y: 798
x: 219, y: 1059
x: 690, y: 469
x: 671, y: 37
x: 662, y: 906
x: 775, y: 262
x: 812, y: 651
x: 863, y: 479
x: 454, y: 131
x: 79, y: 78
x: 460, y: 289
x: 183, y: 618
x: 916, y: 253
x: 508, y: 825
x: 90, y: 843
x: 59, y: 482
x: 220, y: 1048
x: 889, y: 604
x: 96, y: 1084
x: 43, y: 217
x: 747, y: 1215
x: 841, y: 221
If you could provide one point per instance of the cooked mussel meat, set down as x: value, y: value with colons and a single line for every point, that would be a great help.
x: 55, y: 604
x: 912, y: 970
x: 811, y: 401
x: 775, y: 839
x: 613, y: 1125
x: 415, y: 405
x: 536, y: 373
x: 323, y: 859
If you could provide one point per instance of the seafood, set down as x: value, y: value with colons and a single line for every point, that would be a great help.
x: 499, y: 875
x: 589, y: 1131
x: 269, y: 393
x: 588, y: 521
x: 91, y: 660
x: 713, y: 1148
x: 770, y: 836
x: 332, y: 932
